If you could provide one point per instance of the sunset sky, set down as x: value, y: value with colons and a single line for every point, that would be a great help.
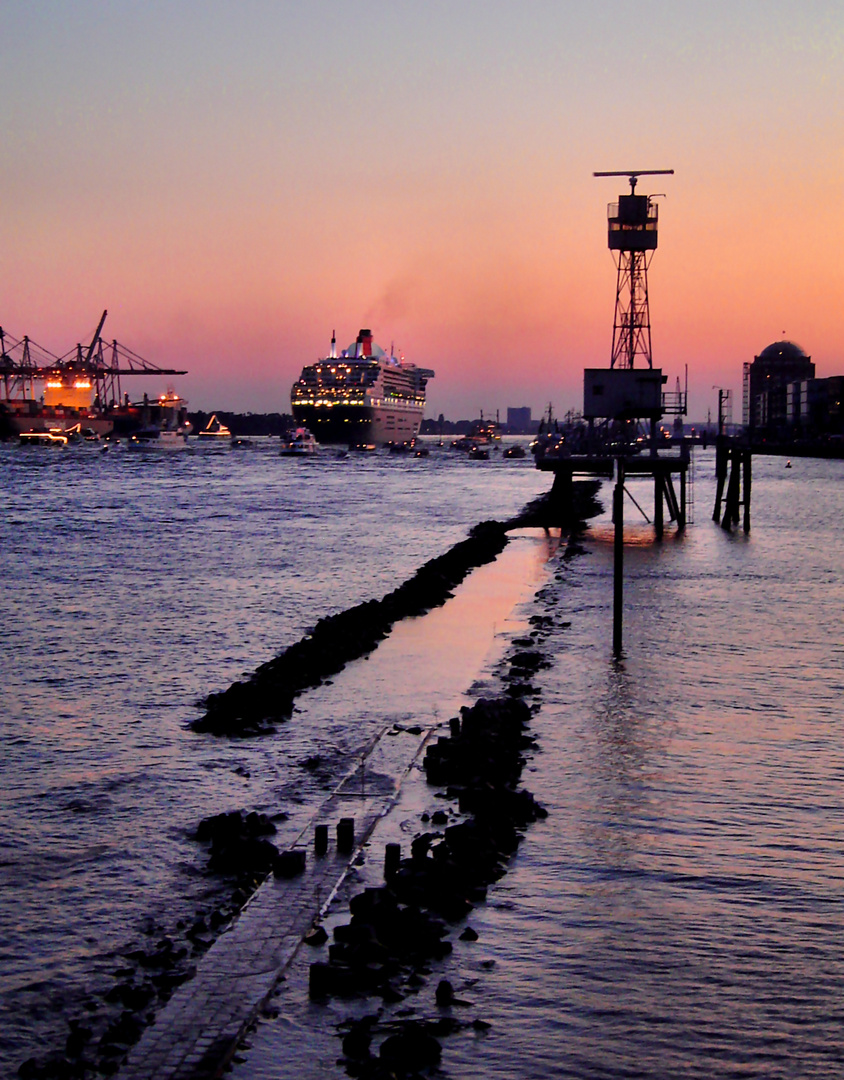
x: 233, y: 180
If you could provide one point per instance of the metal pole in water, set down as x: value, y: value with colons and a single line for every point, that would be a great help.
x: 618, y: 559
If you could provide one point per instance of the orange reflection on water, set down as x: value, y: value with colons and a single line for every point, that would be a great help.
x: 427, y: 664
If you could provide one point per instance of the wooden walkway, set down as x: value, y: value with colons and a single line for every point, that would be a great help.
x: 196, y: 1033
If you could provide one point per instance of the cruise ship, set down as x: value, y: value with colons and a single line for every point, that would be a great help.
x: 361, y: 397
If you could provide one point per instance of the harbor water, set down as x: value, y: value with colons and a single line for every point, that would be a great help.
x: 678, y: 913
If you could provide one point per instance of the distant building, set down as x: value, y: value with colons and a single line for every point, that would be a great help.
x: 765, y: 400
x: 518, y: 420
x: 784, y: 402
x: 813, y: 408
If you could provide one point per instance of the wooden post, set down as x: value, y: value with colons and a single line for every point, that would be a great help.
x: 659, y: 485
x: 618, y: 559
x: 685, y: 459
x: 731, y: 505
x: 747, y: 471
x: 720, y: 474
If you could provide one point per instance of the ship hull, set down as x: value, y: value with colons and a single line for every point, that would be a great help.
x: 17, y: 418
x: 121, y: 421
x: 359, y: 424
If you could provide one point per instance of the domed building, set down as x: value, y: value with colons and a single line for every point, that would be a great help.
x: 764, y: 403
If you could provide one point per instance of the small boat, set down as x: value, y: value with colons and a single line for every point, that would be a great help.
x: 363, y: 448
x: 298, y: 443
x: 515, y: 451
x: 158, y: 439
x: 214, y: 429
x: 166, y: 425
x: 478, y: 453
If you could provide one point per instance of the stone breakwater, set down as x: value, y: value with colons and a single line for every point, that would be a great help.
x: 401, y: 925
x: 253, y: 706
x: 397, y: 932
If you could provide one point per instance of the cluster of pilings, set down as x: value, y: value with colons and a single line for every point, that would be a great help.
x: 605, y: 464
x: 733, y: 468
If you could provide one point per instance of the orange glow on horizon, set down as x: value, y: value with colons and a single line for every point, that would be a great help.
x: 241, y: 208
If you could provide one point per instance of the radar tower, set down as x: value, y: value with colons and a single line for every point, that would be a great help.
x: 632, y: 226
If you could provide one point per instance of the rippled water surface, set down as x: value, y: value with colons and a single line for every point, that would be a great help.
x: 134, y: 584
x: 679, y: 912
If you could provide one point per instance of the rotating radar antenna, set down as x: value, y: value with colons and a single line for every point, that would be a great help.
x: 632, y: 223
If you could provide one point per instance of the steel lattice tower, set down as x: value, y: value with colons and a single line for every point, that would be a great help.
x: 632, y: 238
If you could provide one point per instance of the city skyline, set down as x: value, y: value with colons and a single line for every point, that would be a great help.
x: 235, y: 182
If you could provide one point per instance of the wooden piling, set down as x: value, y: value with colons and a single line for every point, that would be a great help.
x: 731, y: 505
x: 618, y: 559
x: 747, y: 470
x: 321, y: 839
x: 392, y: 860
x: 671, y: 498
x: 721, y: 453
x: 345, y: 834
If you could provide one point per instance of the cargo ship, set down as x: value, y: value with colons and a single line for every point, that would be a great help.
x: 362, y: 397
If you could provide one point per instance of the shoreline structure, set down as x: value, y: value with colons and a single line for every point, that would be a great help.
x: 172, y: 1019
x: 253, y: 706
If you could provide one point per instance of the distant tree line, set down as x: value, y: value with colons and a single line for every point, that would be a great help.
x: 245, y: 423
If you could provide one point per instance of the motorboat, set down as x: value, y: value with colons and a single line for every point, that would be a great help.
x: 298, y: 443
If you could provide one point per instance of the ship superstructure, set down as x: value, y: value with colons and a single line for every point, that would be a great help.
x: 362, y: 396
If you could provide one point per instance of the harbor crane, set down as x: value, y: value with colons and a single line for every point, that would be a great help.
x: 98, y: 367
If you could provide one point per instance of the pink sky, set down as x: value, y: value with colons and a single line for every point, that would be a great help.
x: 233, y: 181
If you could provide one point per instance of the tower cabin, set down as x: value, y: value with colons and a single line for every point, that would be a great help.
x: 632, y: 223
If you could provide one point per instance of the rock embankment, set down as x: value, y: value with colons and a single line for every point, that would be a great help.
x: 396, y: 930
x: 254, y: 705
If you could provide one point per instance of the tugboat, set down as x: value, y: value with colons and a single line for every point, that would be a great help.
x: 484, y: 435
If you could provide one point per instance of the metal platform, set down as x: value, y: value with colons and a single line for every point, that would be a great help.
x: 608, y: 462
